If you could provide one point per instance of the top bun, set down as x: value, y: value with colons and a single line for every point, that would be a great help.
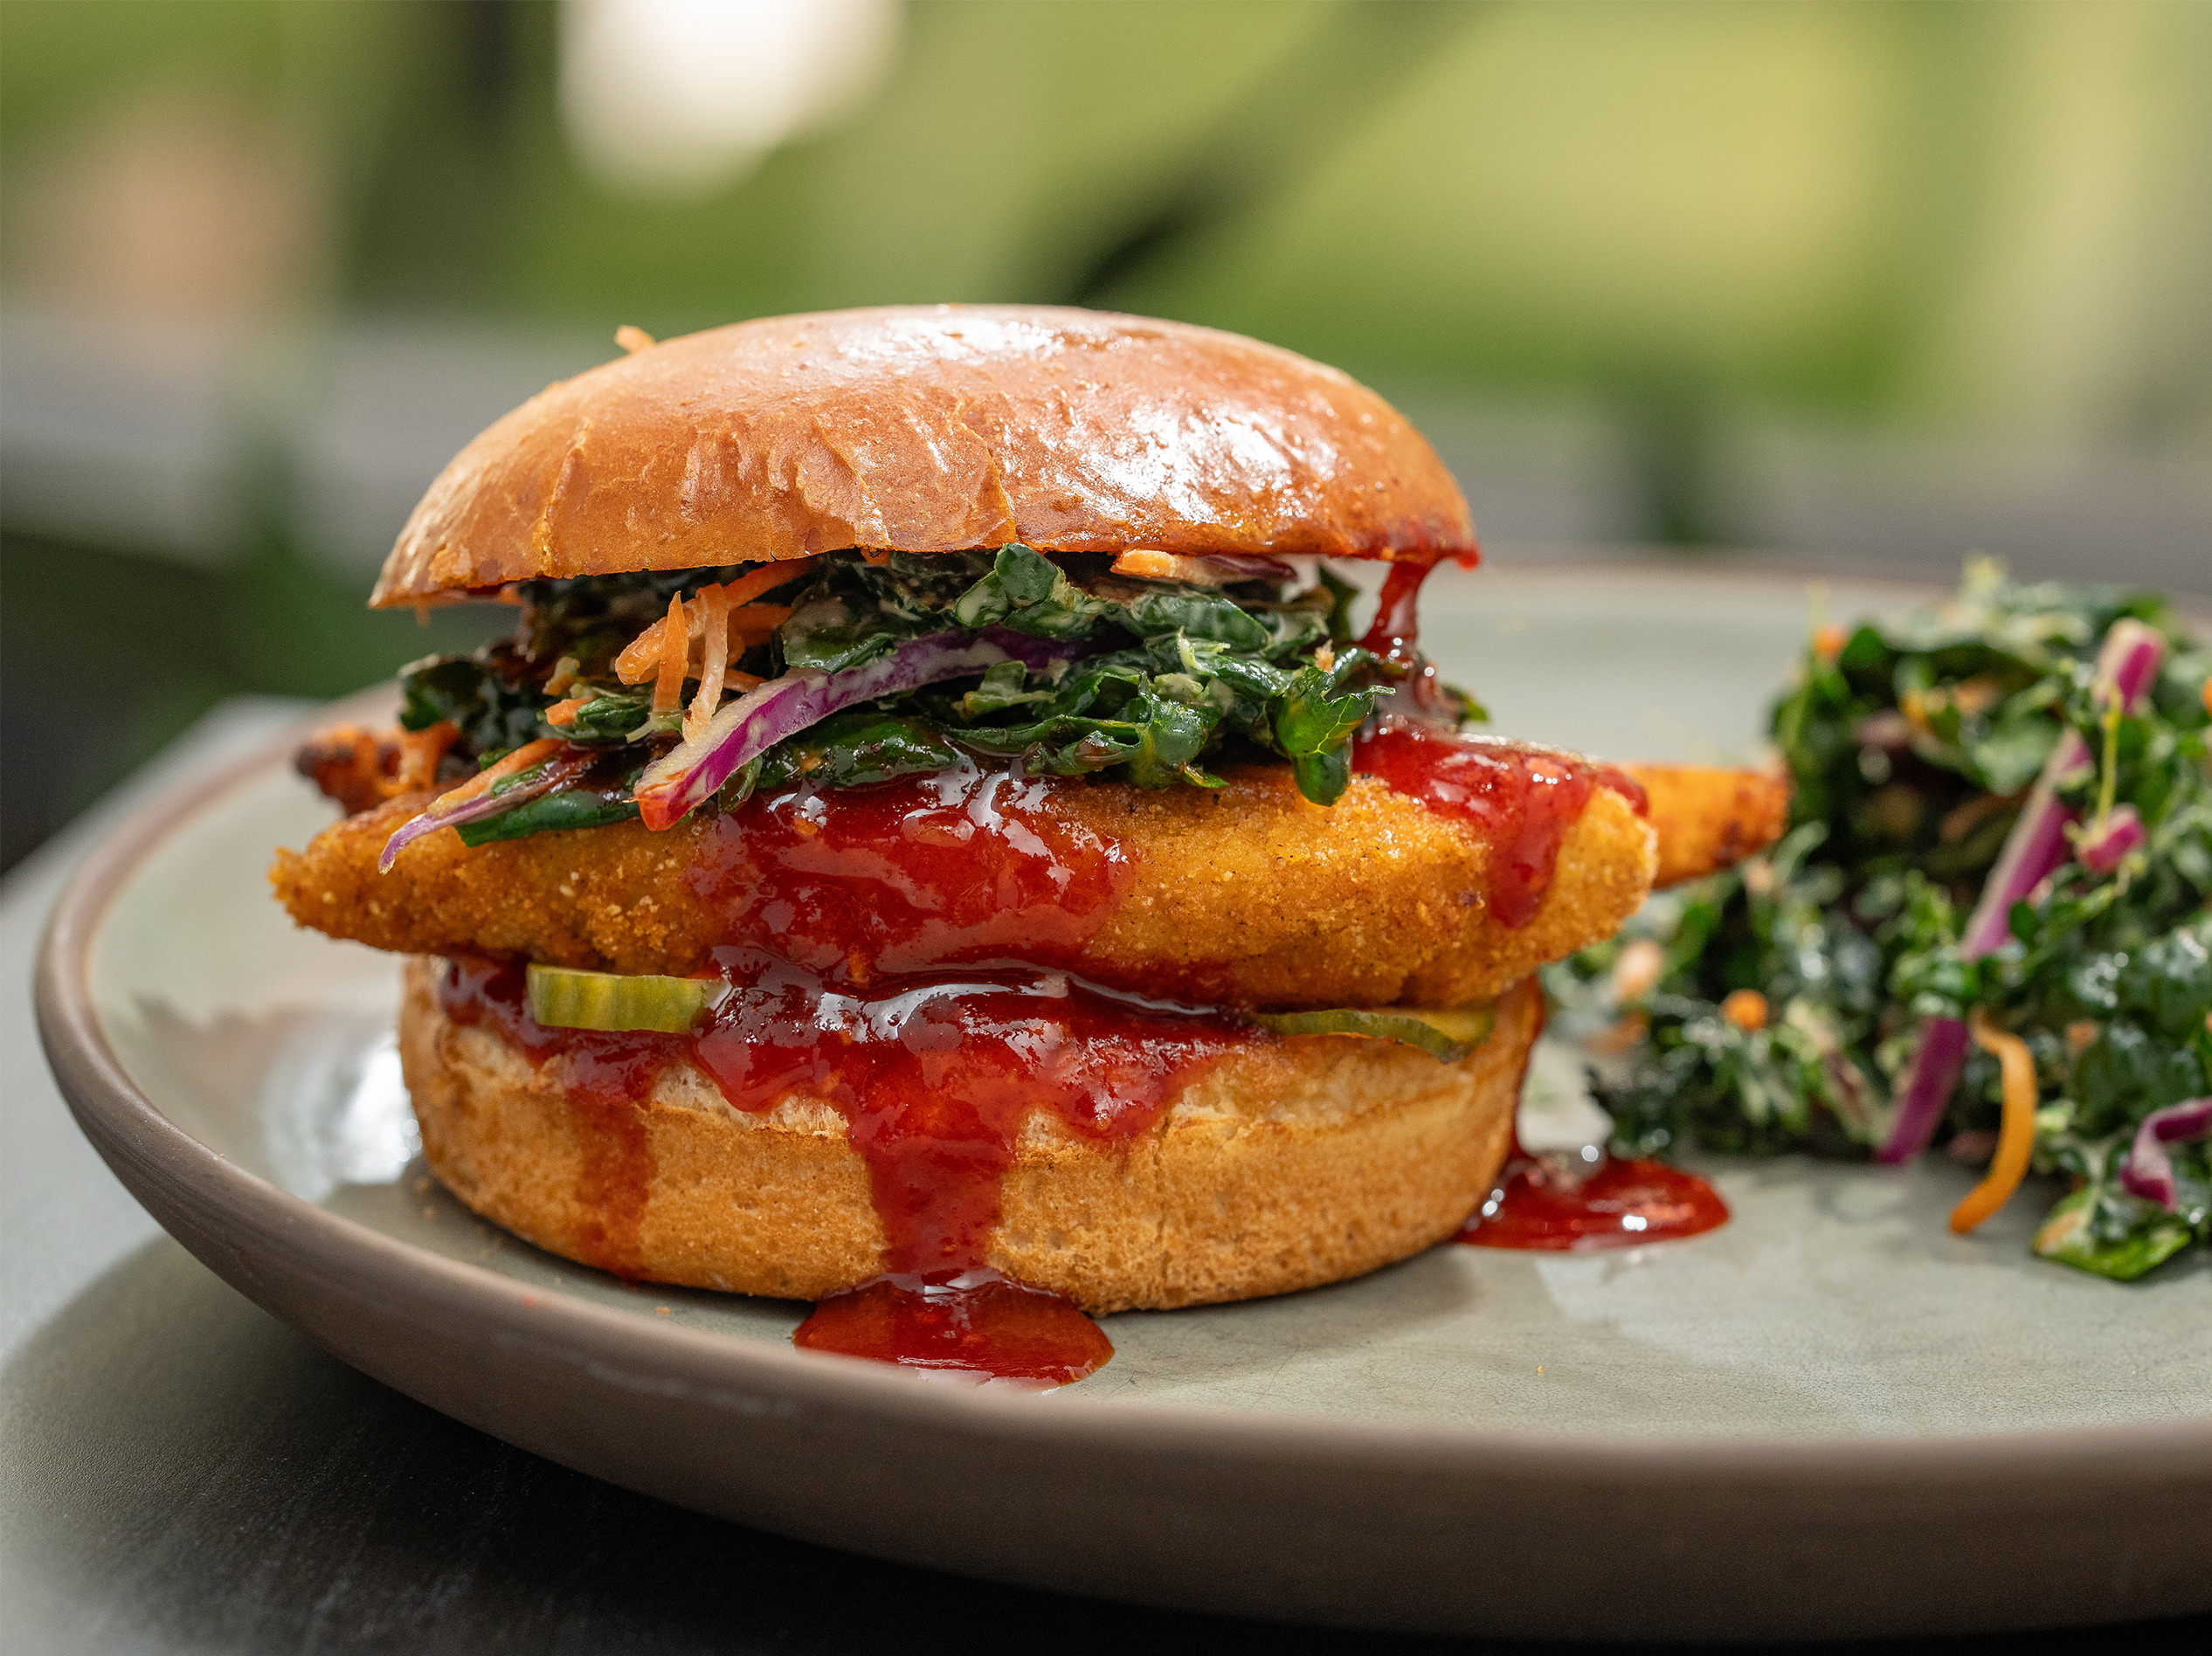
x: 928, y: 429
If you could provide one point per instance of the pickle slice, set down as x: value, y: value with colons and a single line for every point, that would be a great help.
x: 564, y: 997
x: 1450, y: 1035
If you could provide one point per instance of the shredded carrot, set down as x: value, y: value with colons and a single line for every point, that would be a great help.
x: 714, y: 632
x: 641, y: 659
x: 1159, y: 566
x: 645, y: 655
x: 767, y: 578
x: 740, y: 682
x: 564, y: 712
x: 758, y: 620
x: 1147, y: 565
x: 421, y: 753
x: 675, y: 657
x: 521, y: 759
x: 1977, y: 694
x: 2017, y: 1128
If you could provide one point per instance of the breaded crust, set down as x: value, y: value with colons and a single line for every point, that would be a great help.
x: 1708, y: 819
x: 1292, y: 1163
x: 1256, y: 896
x: 1249, y: 895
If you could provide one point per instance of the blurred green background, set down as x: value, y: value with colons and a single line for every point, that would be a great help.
x: 1860, y: 284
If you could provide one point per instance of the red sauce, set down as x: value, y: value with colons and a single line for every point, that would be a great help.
x: 1522, y: 798
x: 963, y: 867
x: 1395, y: 635
x: 934, y: 1078
x: 1551, y: 1203
x: 935, y: 1075
x: 608, y: 1076
x: 975, y: 1322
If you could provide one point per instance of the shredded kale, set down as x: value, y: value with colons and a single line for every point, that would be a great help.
x: 494, y: 709
x: 1911, y: 749
x: 567, y: 808
x: 1173, y: 675
x: 856, y: 747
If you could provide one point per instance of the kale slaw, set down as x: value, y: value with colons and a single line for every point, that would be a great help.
x: 883, y: 664
x: 1792, y: 1003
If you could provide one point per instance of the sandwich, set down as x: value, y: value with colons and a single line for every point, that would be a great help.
x: 936, y: 829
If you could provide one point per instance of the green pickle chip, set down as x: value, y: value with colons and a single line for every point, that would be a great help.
x: 1447, y: 1035
x: 564, y: 997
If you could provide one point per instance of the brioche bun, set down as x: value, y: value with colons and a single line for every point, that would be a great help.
x: 1289, y: 1164
x: 928, y: 429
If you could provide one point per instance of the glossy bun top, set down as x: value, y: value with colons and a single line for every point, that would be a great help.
x: 928, y: 429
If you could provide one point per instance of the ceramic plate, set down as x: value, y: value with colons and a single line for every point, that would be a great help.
x: 1830, y: 1417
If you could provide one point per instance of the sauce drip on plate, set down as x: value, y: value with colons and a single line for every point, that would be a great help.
x: 1556, y: 1204
x: 974, y: 1321
x: 935, y: 1075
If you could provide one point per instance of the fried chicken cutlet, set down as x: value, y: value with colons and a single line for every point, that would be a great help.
x: 1708, y: 819
x: 1249, y: 895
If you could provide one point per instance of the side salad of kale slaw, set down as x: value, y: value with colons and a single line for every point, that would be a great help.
x: 1980, y: 766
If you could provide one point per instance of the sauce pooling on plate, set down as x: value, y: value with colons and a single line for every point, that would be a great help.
x: 975, y: 1322
x: 934, y: 1077
x: 1556, y: 1204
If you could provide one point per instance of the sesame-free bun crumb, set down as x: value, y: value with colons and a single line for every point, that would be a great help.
x: 1287, y: 1164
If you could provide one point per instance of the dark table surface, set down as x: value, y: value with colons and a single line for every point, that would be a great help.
x: 181, y: 1473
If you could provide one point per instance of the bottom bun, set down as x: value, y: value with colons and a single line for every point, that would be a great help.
x: 1287, y: 1164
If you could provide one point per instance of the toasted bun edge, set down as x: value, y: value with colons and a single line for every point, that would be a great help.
x: 1296, y: 1164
